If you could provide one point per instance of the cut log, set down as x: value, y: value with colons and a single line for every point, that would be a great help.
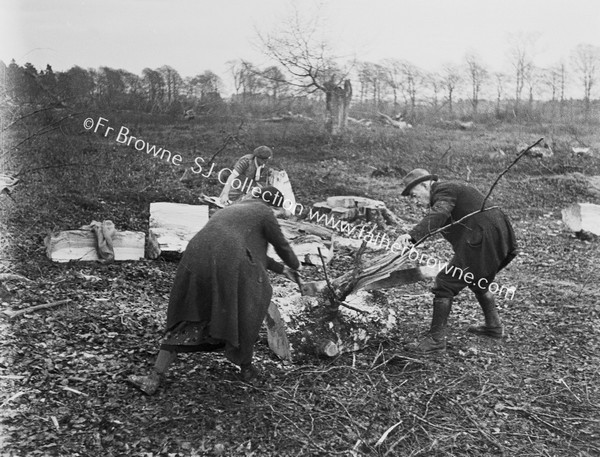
x: 593, y: 185
x: 294, y: 229
x: 399, y: 124
x: 351, y: 208
x: 344, y: 214
x: 276, y: 333
x: 379, y: 268
x: 402, y: 278
x: 394, y: 279
x: 81, y: 245
x: 351, y: 201
x: 306, y: 248
x: 582, y: 152
x: 306, y: 240
x: 582, y: 217
x: 173, y: 225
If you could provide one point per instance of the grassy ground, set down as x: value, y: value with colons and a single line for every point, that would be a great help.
x: 63, y: 370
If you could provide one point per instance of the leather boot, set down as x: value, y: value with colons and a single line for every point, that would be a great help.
x: 493, y: 326
x: 435, y: 341
x: 150, y: 383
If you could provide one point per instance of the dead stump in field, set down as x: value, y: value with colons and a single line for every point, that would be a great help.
x: 353, y: 208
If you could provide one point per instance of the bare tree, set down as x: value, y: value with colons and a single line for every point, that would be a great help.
x: 393, y: 78
x: 451, y: 79
x: 553, y: 78
x: 531, y: 79
x: 435, y: 82
x: 521, y: 54
x: 247, y: 78
x: 274, y: 81
x: 312, y: 66
x: 412, y: 80
x: 477, y: 74
x: 155, y: 85
x: 236, y: 73
x: 372, y: 78
x: 586, y: 61
x: 500, y: 79
x: 173, y: 82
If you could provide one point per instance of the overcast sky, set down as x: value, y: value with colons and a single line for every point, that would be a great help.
x: 197, y: 35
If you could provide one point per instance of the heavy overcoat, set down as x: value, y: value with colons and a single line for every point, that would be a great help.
x: 484, y: 243
x: 222, y: 277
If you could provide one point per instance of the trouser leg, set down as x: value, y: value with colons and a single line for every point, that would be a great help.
x: 435, y: 341
x: 439, y: 320
x: 445, y: 289
x: 493, y: 325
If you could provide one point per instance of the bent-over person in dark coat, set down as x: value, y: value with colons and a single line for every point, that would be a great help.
x: 221, y: 290
x: 483, y: 244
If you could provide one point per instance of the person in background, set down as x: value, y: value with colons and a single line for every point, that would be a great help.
x: 221, y: 290
x: 483, y: 244
x: 248, y: 172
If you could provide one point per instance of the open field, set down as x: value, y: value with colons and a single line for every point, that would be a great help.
x: 63, y: 370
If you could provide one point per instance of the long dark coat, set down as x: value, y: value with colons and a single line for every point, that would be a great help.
x: 484, y: 243
x: 222, y: 277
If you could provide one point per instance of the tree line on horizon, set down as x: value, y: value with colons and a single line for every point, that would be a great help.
x: 393, y: 85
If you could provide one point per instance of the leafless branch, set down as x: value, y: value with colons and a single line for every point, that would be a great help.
x: 523, y: 152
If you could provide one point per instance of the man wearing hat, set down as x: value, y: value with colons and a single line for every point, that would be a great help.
x: 483, y: 244
x: 248, y: 172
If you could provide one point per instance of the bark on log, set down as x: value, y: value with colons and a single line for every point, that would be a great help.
x: 173, y: 225
x: 306, y: 240
x: 582, y: 217
x: 81, y: 245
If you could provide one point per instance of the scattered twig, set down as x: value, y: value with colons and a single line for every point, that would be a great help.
x: 228, y: 140
x: 483, y: 433
x: 13, y: 314
x: 386, y: 433
x: 13, y: 277
x: 445, y: 153
x: 61, y: 165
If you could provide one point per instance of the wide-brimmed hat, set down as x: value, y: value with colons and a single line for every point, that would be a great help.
x: 417, y: 176
x: 263, y: 152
